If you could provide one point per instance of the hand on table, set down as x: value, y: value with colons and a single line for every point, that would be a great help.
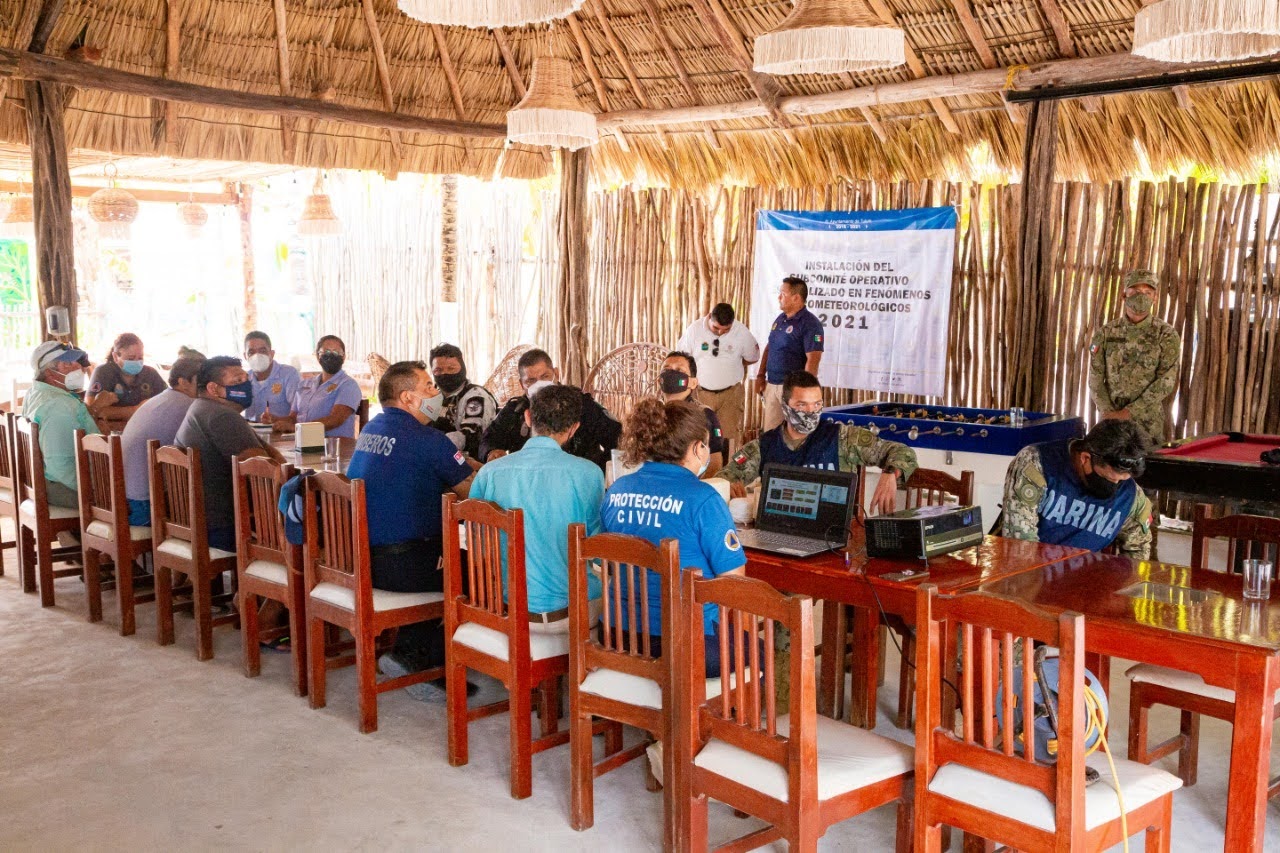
x: 885, y: 498
x: 737, y: 490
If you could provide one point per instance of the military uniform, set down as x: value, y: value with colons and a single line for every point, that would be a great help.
x: 465, y: 416
x: 1026, y: 509
x: 1134, y: 366
x: 856, y: 447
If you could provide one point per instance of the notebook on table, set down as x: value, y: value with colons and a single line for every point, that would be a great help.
x: 802, y: 511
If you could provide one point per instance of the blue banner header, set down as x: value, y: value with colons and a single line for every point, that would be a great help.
x: 917, y: 219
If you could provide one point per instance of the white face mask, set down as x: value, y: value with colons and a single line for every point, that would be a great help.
x: 432, y: 406
x: 73, y: 381
x: 259, y: 362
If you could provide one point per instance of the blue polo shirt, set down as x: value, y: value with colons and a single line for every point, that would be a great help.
x: 277, y: 391
x: 406, y: 467
x: 316, y: 399
x: 791, y: 339
x: 555, y: 489
x: 664, y: 501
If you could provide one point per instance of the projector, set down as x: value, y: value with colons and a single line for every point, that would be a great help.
x: 924, y: 532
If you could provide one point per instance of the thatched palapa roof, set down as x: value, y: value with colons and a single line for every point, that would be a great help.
x: 630, y: 57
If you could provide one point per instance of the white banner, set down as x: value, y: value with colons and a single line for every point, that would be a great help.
x: 879, y: 282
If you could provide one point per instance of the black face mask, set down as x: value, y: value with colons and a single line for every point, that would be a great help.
x: 1099, y: 486
x: 331, y: 362
x: 450, y: 382
x: 674, y: 381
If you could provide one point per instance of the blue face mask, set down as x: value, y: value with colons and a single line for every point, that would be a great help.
x: 133, y: 368
x: 241, y: 394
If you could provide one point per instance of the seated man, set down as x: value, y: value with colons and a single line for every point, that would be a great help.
x: 555, y: 490
x: 806, y: 440
x: 1081, y: 492
x: 407, y: 466
x: 274, y: 384
x: 596, y: 436
x: 468, y: 408
x: 679, y: 381
x: 54, y: 405
x: 214, y: 426
x: 157, y: 418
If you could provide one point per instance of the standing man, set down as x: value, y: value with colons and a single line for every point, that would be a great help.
x: 723, y: 348
x: 1134, y: 362
x: 795, y: 343
x: 468, y: 408
x: 54, y: 405
x: 274, y: 384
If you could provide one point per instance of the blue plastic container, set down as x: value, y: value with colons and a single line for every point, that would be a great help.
x: 895, y: 421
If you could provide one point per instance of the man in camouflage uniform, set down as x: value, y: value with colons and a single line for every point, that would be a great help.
x: 804, y: 439
x: 1081, y: 492
x: 1134, y: 361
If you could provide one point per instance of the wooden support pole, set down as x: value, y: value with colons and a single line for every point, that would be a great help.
x: 384, y: 80
x: 574, y: 266
x: 1033, y: 335
x: 245, y: 195
x: 164, y: 130
x: 288, y: 126
x: 449, y: 238
x: 51, y: 197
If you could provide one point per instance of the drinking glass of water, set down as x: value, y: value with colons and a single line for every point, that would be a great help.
x: 1257, y: 579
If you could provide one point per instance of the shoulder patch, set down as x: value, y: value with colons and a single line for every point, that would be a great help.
x: 475, y: 406
x: 330, y: 388
x: 741, y: 458
x: 459, y: 458
x: 731, y: 541
x: 1093, y: 349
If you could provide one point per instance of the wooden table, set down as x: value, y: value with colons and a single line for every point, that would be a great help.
x: 1225, y: 640
x: 862, y: 581
x: 313, y: 461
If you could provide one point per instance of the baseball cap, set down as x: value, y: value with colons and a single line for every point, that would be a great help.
x: 1136, y: 277
x: 50, y: 351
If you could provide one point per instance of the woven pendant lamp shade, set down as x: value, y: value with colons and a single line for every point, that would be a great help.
x: 20, y: 220
x: 194, y: 216
x: 829, y: 37
x: 550, y: 114
x: 1207, y: 30
x: 318, y: 218
x: 488, y: 13
x: 114, y: 210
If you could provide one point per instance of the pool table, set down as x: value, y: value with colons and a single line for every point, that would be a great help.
x: 1216, y: 468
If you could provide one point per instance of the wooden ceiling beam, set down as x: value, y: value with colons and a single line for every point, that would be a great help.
x: 450, y: 73
x: 1061, y: 29
x: 884, y: 13
x: 588, y: 61
x: 164, y: 114
x: 384, y: 79
x: 141, y: 194
x: 509, y: 61
x: 766, y: 88
x: 628, y: 69
x: 973, y: 30
x: 288, y: 138
x: 30, y: 66
x: 664, y: 41
x: 50, y: 11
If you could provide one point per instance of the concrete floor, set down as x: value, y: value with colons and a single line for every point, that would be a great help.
x: 113, y: 743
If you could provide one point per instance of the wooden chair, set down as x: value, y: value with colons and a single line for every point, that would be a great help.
x: 799, y: 772
x: 104, y: 511
x: 614, y: 675
x: 181, y: 544
x: 377, y: 366
x: 268, y: 566
x: 38, y: 523
x: 620, y: 379
x: 8, y: 504
x: 1151, y: 685
x: 504, y: 382
x: 339, y: 592
x: 977, y: 781
x: 482, y: 627
x: 362, y: 414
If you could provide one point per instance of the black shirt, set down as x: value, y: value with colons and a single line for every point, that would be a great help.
x: 218, y: 431
x: 597, y: 434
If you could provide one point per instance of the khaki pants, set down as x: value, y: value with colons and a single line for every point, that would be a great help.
x: 771, y: 413
x: 561, y: 626
x: 730, y: 407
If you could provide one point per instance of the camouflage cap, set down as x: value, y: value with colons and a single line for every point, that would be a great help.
x: 1136, y: 277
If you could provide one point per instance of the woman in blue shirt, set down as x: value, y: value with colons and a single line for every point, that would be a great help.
x: 330, y: 398
x: 666, y: 500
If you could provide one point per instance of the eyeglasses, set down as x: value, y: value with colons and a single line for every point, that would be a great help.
x: 715, y: 348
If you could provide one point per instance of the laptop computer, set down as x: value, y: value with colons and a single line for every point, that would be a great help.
x: 802, y: 511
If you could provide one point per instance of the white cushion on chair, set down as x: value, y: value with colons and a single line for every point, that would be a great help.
x: 1139, y: 784
x: 1177, y: 680
x: 268, y: 571
x: 6, y: 495
x: 340, y: 596
x: 181, y: 548
x: 849, y: 758
x: 105, y: 531
x: 495, y: 643
x: 29, y: 508
x: 632, y: 689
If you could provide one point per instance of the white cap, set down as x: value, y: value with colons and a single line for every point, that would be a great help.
x: 50, y: 351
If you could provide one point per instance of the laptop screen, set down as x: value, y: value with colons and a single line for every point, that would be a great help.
x: 806, y: 502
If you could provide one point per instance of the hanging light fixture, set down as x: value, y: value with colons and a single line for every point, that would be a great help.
x: 318, y: 218
x: 830, y: 37
x: 113, y: 209
x: 488, y: 14
x: 1207, y: 30
x: 19, y: 220
x: 194, y: 216
x: 549, y: 113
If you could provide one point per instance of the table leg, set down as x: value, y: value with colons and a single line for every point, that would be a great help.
x: 831, y: 676
x: 866, y: 667
x: 1257, y: 679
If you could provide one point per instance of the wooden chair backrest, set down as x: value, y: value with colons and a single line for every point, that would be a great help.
x: 930, y: 487
x: 625, y: 376
x: 336, y: 547
x: 504, y: 382
x: 990, y: 630
x: 100, y: 473
x: 362, y: 413
x: 493, y: 535
x: 6, y: 451
x: 378, y: 365
x: 623, y: 564
x: 177, y: 495
x: 745, y: 714
x: 28, y: 464
x: 256, y: 482
x: 1257, y: 535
